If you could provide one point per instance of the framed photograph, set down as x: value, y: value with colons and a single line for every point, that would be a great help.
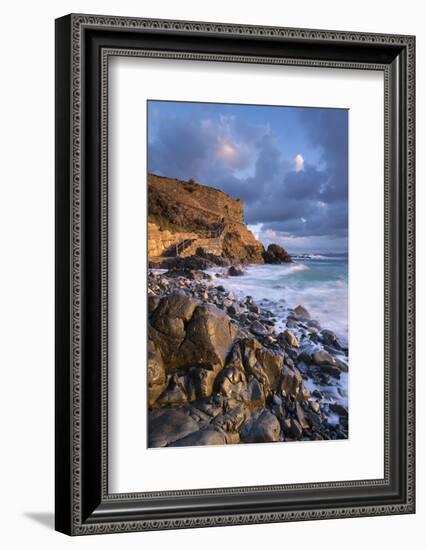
x: 234, y: 274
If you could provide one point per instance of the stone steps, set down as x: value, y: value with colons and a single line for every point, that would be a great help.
x: 211, y: 246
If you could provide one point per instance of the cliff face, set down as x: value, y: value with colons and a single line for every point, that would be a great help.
x: 176, y: 206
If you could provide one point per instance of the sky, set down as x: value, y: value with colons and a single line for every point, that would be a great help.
x: 289, y: 165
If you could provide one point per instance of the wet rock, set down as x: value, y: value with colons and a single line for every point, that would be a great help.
x: 339, y: 409
x: 315, y: 406
x: 330, y: 370
x: 264, y: 428
x: 304, y: 357
x: 342, y: 365
x: 329, y: 338
x: 288, y: 337
x: 260, y: 330
x: 235, y: 271
x: 301, y: 313
x: 323, y: 358
x: 233, y: 309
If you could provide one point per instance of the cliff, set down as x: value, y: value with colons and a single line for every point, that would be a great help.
x: 188, y: 214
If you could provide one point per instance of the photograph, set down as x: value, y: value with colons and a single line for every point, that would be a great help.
x: 248, y: 264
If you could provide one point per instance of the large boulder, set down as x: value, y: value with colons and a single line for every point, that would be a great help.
x: 209, y: 338
x: 172, y: 313
x: 301, y: 313
x: 276, y: 254
x: 289, y: 338
x: 323, y: 358
x: 235, y: 271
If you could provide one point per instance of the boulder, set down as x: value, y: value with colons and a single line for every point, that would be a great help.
x: 301, y: 313
x: 343, y: 366
x: 276, y: 254
x: 264, y: 428
x: 171, y: 314
x: 330, y: 370
x: 329, y: 338
x: 235, y: 271
x: 323, y: 358
x: 209, y: 337
x: 259, y: 329
x: 339, y: 409
x: 288, y: 337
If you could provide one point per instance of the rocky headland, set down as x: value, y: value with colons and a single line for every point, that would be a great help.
x: 190, y: 220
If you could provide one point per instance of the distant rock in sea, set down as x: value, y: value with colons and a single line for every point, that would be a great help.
x: 276, y: 254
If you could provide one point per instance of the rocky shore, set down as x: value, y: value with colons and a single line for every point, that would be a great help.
x: 222, y: 370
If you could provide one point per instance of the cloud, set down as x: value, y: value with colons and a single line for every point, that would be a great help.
x: 299, y: 163
x: 291, y: 196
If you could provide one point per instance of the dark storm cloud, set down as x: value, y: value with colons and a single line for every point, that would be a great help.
x: 247, y: 161
x: 327, y: 129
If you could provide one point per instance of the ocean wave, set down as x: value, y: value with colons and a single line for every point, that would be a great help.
x: 296, y: 267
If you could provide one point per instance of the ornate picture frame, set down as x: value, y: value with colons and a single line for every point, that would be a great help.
x: 84, y: 45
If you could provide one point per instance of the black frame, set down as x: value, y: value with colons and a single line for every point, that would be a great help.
x: 83, y: 46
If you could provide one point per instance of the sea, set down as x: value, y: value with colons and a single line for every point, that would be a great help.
x: 318, y: 282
